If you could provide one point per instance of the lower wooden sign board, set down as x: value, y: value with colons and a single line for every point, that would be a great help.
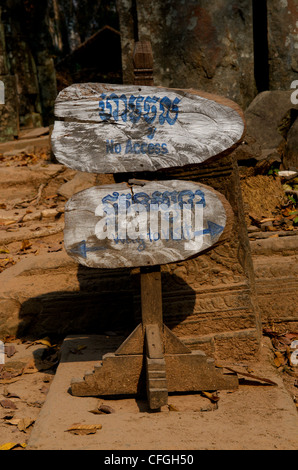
x: 144, y: 223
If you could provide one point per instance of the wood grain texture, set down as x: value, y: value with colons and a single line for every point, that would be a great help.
x: 98, y: 236
x: 151, y: 296
x: 102, y: 128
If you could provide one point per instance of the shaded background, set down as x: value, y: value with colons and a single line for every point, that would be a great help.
x: 232, y: 48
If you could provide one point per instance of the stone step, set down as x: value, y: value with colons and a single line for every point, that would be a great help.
x: 46, y: 294
x: 31, y: 145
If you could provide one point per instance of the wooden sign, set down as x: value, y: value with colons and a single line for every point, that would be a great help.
x: 103, y: 128
x: 143, y: 224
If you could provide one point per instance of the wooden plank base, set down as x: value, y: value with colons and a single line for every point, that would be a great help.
x: 128, y: 374
x: 153, y: 356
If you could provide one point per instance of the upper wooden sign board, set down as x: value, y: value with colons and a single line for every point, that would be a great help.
x: 102, y: 128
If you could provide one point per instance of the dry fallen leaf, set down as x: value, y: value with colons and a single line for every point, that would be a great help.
x: 10, y: 350
x: 8, y: 394
x: 279, y: 359
x: 212, y: 396
x: 13, y: 421
x: 21, y: 423
x: 9, y: 381
x: 78, y: 349
x: 96, y: 411
x: 245, y: 374
x: 83, y: 429
x: 8, y: 404
x: 12, y: 445
x: 11, y: 339
x: 44, y: 389
x: 45, y: 341
x: 103, y: 409
x: 8, y: 415
x: 12, y: 369
x: 26, y: 244
x: 9, y: 222
x: 30, y: 367
x: 25, y: 423
x: 172, y: 408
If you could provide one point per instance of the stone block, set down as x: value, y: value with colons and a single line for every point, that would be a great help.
x: 79, y: 182
x: 192, y: 47
x: 47, y: 89
x: 9, y: 116
x: 276, y: 270
x: 267, y: 116
x: 282, y: 18
x: 291, y: 151
x: 3, y: 55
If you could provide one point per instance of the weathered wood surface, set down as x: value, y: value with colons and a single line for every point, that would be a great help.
x: 143, y: 63
x: 102, y: 128
x: 145, y: 224
x: 120, y: 375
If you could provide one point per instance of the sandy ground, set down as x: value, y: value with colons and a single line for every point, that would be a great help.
x: 256, y: 416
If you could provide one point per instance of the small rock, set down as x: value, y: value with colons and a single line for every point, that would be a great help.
x: 49, y: 213
x: 80, y: 181
x: 265, y: 114
x: 291, y: 152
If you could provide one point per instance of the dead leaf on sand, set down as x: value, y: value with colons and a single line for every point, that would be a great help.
x: 78, y: 349
x: 84, y: 429
x: 30, y: 367
x: 212, y: 396
x: 9, y: 350
x: 12, y: 372
x: 8, y: 394
x: 26, y: 244
x: 172, y: 407
x: 6, y: 403
x: 12, y: 445
x: 103, y: 409
x: 22, y: 423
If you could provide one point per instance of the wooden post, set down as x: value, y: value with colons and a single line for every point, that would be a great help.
x: 151, y: 302
x: 151, y: 296
x: 143, y: 63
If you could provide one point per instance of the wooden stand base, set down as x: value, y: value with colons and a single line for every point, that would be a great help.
x: 154, y: 355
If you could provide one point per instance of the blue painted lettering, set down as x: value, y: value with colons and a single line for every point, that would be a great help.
x: 111, y: 147
x: 141, y: 147
x: 164, y: 148
x: 112, y: 107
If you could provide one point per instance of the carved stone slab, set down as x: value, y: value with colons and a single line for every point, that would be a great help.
x: 144, y: 224
x: 102, y: 128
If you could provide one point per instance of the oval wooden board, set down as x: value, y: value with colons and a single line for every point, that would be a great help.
x: 90, y: 218
x: 103, y: 128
